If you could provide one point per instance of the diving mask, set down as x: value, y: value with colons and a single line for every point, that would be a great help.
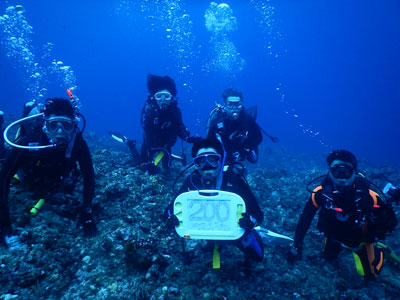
x: 212, y: 159
x: 342, y: 171
x: 56, y: 123
x: 163, y: 96
x: 233, y: 106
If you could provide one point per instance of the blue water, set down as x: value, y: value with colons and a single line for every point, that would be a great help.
x: 324, y: 74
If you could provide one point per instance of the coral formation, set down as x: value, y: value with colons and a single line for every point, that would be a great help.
x: 133, y: 256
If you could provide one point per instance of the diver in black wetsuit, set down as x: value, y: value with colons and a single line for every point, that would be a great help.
x: 238, y: 129
x: 208, y: 159
x: 50, y: 169
x: 161, y: 121
x: 351, y: 216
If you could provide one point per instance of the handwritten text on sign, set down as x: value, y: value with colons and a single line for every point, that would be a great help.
x: 209, y: 214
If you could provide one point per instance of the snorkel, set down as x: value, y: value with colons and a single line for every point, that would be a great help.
x: 73, y: 134
x: 220, y: 175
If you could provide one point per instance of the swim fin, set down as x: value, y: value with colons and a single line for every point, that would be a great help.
x: 271, y: 238
x: 119, y: 137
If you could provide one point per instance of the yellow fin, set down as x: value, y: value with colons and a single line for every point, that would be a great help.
x: 216, y: 258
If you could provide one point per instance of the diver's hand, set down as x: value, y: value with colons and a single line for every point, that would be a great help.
x: 246, y: 222
x: 193, y: 139
x: 87, y: 222
x: 131, y: 143
x: 394, y: 195
x: 150, y: 168
x: 172, y: 222
x: 293, y: 254
x: 392, y: 192
x: 5, y: 226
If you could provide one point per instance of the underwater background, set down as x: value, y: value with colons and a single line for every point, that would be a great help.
x: 323, y: 74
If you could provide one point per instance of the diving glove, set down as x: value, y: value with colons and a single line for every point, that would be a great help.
x: 131, y: 143
x: 247, y: 222
x: 392, y: 192
x: 172, y: 222
x: 293, y: 254
x: 87, y: 222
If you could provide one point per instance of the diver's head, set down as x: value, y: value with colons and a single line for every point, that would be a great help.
x: 233, y: 102
x: 162, y: 89
x: 207, y: 158
x: 342, y: 169
x: 60, y: 120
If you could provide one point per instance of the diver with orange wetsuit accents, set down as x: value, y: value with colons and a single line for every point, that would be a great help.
x: 351, y: 216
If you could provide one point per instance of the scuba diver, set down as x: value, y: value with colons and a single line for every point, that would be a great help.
x: 209, y: 157
x: 45, y: 160
x: 351, y: 216
x: 161, y: 120
x: 237, y: 127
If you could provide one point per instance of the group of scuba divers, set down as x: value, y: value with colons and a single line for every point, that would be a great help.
x: 49, y: 152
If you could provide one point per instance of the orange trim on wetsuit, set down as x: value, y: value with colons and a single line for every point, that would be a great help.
x: 369, y: 247
x: 379, y: 265
x: 371, y: 255
x: 374, y: 196
x: 318, y: 188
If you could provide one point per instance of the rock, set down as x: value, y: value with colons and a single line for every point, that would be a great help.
x: 86, y: 259
x: 8, y: 296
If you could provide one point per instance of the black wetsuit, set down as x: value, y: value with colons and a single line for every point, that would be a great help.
x: 349, y: 220
x: 161, y: 129
x: 251, y: 243
x: 241, y: 137
x: 45, y: 170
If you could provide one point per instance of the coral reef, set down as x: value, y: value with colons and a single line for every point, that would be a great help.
x: 133, y: 256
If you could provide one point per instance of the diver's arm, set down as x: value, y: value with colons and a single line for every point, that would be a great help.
x: 86, y: 167
x: 255, y: 136
x: 305, y: 220
x: 251, y: 202
x: 150, y: 114
x: 182, y: 131
x: 212, y: 131
x: 384, y: 219
x: 11, y: 165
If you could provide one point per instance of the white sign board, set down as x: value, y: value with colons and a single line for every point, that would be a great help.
x: 209, y: 215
